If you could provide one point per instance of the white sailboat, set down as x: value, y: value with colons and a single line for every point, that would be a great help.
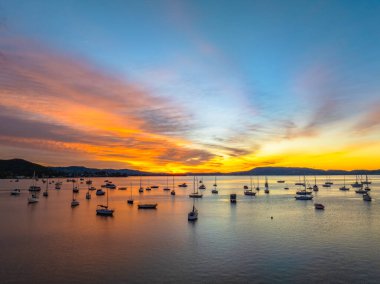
x: 195, y: 194
x: 344, y: 187
x: 304, y: 196
x: 46, y: 192
x: 315, y: 186
x: 266, y: 186
x: 103, y: 209
x: 173, y: 190
x: 74, y: 202
x: 250, y: 192
x: 214, y: 190
x: 130, y: 200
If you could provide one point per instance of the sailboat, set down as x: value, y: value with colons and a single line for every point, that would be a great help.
x: 304, y: 196
x: 173, y: 191
x: 193, y: 214
x: 167, y: 184
x: 344, y: 188
x: 75, y: 188
x: 249, y: 191
x: 266, y: 186
x: 130, y: 200
x: 103, y: 209
x: 58, y: 185
x: 46, y: 193
x: 16, y: 192
x: 315, y: 186
x: 148, y: 187
x: 367, y: 197
x: 214, y: 190
x: 366, y: 182
x: 195, y: 194
x: 34, y: 187
x: 88, y: 194
x: 141, y: 189
x: 258, y: 184
x: 74, y: 202
x: 33, y: 197
x: 202, y: 186
x: 357, y: 184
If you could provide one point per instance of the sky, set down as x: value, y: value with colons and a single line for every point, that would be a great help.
x: 191, y: 86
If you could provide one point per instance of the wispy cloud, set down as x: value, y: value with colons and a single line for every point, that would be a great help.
x: 65, y: 104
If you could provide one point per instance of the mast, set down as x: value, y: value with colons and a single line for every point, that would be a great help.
x: 251, y: 181
x: 131, y: 190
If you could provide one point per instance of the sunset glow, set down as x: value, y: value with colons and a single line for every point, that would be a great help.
x: 186, y: 92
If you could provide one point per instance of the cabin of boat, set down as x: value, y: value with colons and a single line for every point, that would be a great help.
x: 147, y: 206
x: 303, y: 192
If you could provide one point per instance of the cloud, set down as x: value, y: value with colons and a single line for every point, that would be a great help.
x: 64, y: 104
x: 370, y: 120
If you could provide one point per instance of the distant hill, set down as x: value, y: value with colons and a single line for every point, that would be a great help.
x: 19, y: 167
x: 279, y: 171
x: 83, y: 171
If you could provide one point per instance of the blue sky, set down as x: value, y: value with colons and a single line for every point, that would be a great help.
x: 263, y: 70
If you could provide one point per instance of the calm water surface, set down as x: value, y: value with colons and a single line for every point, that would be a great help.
x: 50, y: 242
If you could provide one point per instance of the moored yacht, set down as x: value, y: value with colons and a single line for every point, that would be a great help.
x: 195, y: 194
x: 367, y: 197
x: 16, y: 192
x: 193, y: 214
